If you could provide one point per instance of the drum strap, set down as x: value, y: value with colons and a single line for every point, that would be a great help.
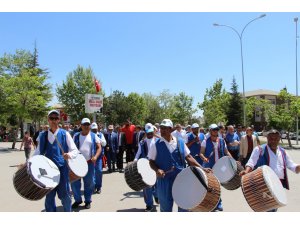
x: 200, y: 178
x: 59, y: 145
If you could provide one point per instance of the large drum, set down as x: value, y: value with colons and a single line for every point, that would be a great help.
x: 37, y: 178
x: 263, y: 190
x: 78, y: 168
x: 139, y: 175
x: 227, y: 171
x: 195, y: 190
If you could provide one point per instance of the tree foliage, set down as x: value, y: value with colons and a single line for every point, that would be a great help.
x: 183, y: 105
x: 215, y: 104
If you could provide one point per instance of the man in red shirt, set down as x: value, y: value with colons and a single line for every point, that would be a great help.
x: 129, y: 129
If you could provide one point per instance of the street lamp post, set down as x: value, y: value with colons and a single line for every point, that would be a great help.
x: 297, y: 119
x: 240, y: 35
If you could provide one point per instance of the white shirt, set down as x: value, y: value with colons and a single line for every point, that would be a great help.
x: 181, y: 134
x: 203, y: 144
x: 73, y: 151
x: 276, y: 161
x: 85, y: 145
x: 172, y: 145
x: 139, y: 152
x: 102, y: 139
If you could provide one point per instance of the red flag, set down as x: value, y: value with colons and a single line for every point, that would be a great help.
x: 97, y: 86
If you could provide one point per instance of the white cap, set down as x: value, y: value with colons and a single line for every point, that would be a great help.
x: 213, y: 126
x: 53, y: 111
x: 85, y: 120
x: 167, y: 123
x: 149, y: 128
x: 94, y: 126
x: 195, y: 125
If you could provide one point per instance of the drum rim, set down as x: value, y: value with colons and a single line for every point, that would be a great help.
x: 265, y: 168
x: 230, y: 160
x: 153, y: 173
x: 70, y: 167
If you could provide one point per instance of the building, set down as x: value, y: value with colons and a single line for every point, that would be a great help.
x: 259, y: 118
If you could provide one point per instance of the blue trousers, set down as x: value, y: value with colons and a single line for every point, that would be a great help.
x: 98, y: 174
x: 111, y: 158
x: 62, y: 190
x: 164, y: 193
x: 89, y: 185
x: 148, y: 196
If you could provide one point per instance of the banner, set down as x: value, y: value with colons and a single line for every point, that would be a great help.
x: 93, y: 103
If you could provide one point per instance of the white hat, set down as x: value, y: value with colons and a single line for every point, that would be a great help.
x: 94, y: 126
x: 213, y: 126
x: 85, y: 120
x: 195, y: 125
x: 149, y: 128
x: 167, y: 123
x: 53, y: 111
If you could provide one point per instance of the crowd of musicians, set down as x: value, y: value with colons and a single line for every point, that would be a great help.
x: 169, y: 149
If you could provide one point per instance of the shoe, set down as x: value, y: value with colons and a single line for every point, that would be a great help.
x: 75, y: 205
x: 156, y: 200
x: 87, y: 205
x: 149, y: 209
x: 220, y: 209
x: 121, y: 171
x: 98, y: 191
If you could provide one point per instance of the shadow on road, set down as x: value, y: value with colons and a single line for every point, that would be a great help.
x: 137, y: 210
x: 136, y: 194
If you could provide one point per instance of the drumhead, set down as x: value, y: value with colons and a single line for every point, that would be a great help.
x: 187, y: 190
x: 78, y: 165
x: 147, y: 173
x: 43, y: 170
x: 275, y: 186
x: 225, y: 169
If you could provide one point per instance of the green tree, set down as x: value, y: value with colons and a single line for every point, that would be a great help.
x: 215, y: 104
x: 154, y: 113
x: 235, y: 110
x: 137, y: 108
x: 283, y: 116
x: 167, y: 104
x: 25, y: 88
x: 184, y: 110
x: 257, y: 105
x: 71, y: 93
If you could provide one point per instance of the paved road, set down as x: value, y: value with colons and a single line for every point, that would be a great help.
x: 116, y: 196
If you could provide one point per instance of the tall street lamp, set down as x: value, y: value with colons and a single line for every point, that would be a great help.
x: 297, y: 119
x: 240, y: 35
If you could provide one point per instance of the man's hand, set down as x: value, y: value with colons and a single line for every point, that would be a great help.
x: 160, y: 173
x: 94, y: 159
x: 66, y: 156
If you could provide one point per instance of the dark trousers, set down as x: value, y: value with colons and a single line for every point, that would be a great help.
x: 27, y: 153
x: 245, y: 160
x: 111, y: 159
x: 129, y: 153
x: 235, y: 154
x: 120, y: 155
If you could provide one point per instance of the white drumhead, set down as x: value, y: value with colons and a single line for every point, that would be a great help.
x: 187, y: 190
x: 147, y: 173
x: 275, y: 186
x: 78, y: 165
x: 225, y: 169
x: 44, y: 171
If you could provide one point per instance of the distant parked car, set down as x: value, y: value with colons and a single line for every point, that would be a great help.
x: 259, y: 133
x: 283, y: 135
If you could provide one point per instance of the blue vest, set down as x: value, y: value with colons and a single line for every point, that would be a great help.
x: 144, y: 149
x: 195, y: 148
x: 99, y: 134
x: 52, y: 151
x: 210, y: 153
x: 94, y: 146
x: 264, y: 159
x: 166, y: 161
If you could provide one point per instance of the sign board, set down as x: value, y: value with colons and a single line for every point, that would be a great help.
x: 93, y: 103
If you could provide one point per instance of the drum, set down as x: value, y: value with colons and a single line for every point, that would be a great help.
x: 263, y: 190
x: 37, y: 178
x: 227, y: 171
x: 78, y: 168
x: 139, y: 175
x: 195, y: 190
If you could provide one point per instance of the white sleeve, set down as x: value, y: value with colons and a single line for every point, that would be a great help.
x: 73, y: 151
x: 97, y: 139
x: 139, y: 152
x: 103, y: 141
x: 203, y: 144
x: 152, y: 151
x: 37, y: 150
x: 290, y: 164
x: 186, y: 151
x: 254, y: 157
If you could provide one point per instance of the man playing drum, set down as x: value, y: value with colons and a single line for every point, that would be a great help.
x: 48, y: 146
x: 273, y: 156
x: 88, y: 144
x: 142, y: 152
x: 167, y: 158
x: 212, y: 149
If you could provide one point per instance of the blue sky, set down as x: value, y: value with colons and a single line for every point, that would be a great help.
x: 149, y: 52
